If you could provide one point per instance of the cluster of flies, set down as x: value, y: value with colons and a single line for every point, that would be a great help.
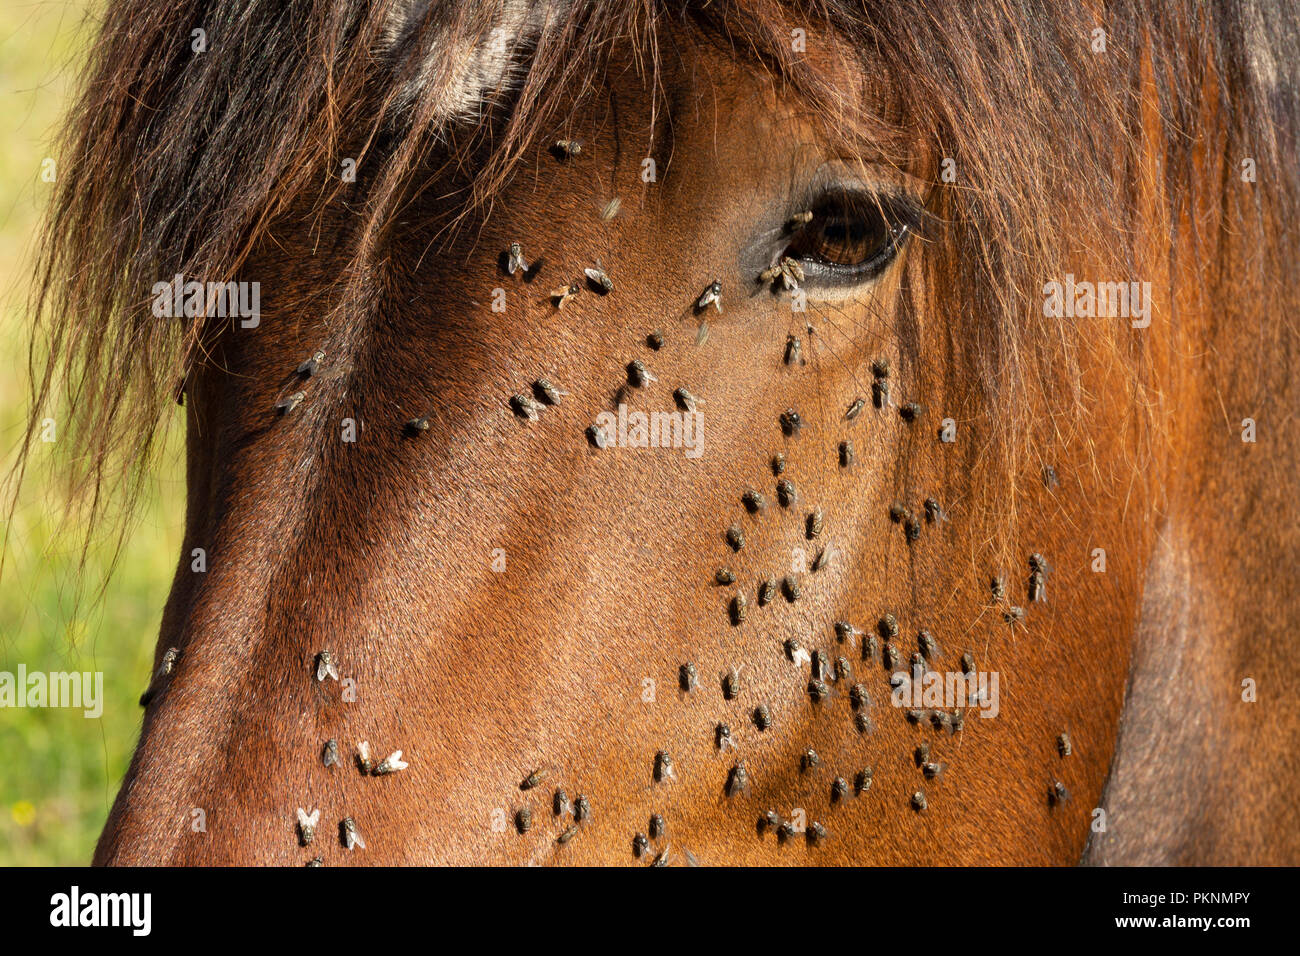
x: 1013, y: 614
x: 307, y: 368
x: 912, y: 523
x: 570, y: 813
x: 639, y: 376
x: 326, y: 667
x: 544, y: 393
x: 738, y: 779
x: 642, y: 844
x: 597, y: 280
x: 755, y: 502
x: 1057, y: 794
x: 1035, y: 587
x: 815, y: 834
x: 826, y: 675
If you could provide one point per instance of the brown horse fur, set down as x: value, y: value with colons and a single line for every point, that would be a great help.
x: 1111, y: 166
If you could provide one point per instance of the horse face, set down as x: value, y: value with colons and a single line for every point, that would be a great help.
x: 643, y: 615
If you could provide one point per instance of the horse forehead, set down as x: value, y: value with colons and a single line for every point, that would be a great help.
x: 462, y: 71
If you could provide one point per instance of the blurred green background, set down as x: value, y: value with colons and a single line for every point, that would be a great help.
x: 59, y: 771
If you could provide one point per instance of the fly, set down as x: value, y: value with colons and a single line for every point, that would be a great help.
x: 599, y: 280
x: 711, y: 296
x: 325, y: 666
x: 351, y: 835
x: 391, y: 764
x: 307, y: 825
x: 567, y: 148
x: 515, y: 261
x: 564, y: 293
x: 546, y: 392
x: 524, y: 407
x: 793, y: 350
x: 638, y: 375
x: 310, y: 365
x: 285, y: 405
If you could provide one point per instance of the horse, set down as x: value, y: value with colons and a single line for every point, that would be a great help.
x: 733, y: 432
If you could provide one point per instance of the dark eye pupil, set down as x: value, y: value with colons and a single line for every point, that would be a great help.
x: 843, y: 242
x: 845, y: 231
x: 848, y: 237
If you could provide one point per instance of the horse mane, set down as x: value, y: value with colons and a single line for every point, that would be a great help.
x: 176, y: 162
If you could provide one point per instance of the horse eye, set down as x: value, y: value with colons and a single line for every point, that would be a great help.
x: 850, y: 237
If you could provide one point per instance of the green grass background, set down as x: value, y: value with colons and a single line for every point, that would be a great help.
x: 60, y: 771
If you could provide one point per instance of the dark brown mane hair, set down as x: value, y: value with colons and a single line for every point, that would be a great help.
x: 175, y: 162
